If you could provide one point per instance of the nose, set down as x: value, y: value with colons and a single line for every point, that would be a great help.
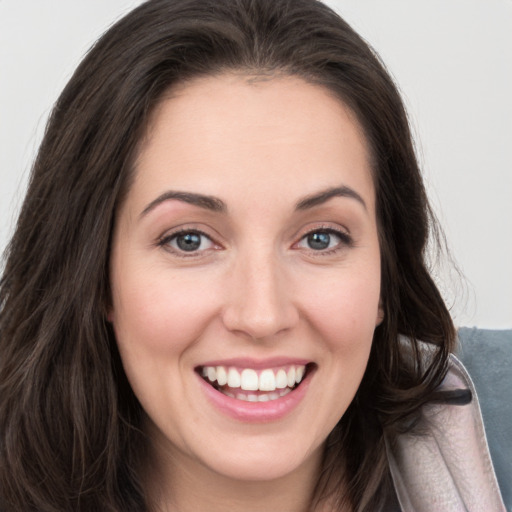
x: 260, y: 298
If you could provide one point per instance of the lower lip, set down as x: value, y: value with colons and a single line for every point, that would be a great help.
x: 256, y: 412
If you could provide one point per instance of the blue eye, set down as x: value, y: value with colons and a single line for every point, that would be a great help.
x: 188, y: 241
x: 319, y: 241
x: 323, y: 240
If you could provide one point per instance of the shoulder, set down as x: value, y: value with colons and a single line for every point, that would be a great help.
x: 444, y: 463
x: 487, y: 355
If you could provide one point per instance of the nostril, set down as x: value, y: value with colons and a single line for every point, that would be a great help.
x: 258, y: 303
x: 259, y: 325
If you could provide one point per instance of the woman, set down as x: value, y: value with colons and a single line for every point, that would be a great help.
x: 216, y: 291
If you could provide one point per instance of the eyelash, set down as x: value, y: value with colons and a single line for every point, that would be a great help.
x: 345, y: 241
x: 165, y: 241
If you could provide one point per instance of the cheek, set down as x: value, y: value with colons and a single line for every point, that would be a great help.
x: 342, y: 318
x: 346, y: 311
x: 159, y: 314
x: 157, y: 321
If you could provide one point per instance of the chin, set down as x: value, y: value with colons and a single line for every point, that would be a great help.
x: 263, y: 459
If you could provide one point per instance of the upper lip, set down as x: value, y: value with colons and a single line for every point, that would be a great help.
x: 256, y: 364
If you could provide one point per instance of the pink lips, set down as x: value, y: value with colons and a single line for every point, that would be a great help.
x: 256, y: 364
x: 256, y: 412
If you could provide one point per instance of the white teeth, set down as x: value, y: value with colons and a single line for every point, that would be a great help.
x: 233, y: 378
x: 299, y: 373
x: 291, y: 376
x: 249, y: 380
x: 267, y: 381
x: 222, y: 376
x: 281, y: 379
x: 249, y: 397
x: 212, y: 374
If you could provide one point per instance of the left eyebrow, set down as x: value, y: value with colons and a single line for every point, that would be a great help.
x: 324, y: 196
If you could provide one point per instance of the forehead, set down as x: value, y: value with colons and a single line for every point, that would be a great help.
x: 242, y: 130
x: 259, y: 97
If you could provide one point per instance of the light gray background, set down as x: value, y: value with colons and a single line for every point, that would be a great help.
x: 451, y: 58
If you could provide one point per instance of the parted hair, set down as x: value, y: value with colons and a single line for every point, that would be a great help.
x: 70, y: 436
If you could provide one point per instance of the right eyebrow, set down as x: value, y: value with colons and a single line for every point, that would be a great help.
x: 207, y: 202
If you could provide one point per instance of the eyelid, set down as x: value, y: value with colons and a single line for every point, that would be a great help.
x: 342, y: 233
x: 163, y: 241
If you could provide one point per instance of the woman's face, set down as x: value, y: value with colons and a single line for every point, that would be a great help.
x: 246, y: 253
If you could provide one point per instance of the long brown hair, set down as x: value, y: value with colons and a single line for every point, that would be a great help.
x: 69, y: 422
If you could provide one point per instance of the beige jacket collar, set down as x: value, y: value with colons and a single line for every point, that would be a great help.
x: 447, y: 467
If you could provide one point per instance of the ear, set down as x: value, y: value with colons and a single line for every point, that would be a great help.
x: 380, y: 314
x: 109, y: 312
x: 108, y: 308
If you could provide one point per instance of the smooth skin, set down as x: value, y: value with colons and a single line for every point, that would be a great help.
x: 265, y: 272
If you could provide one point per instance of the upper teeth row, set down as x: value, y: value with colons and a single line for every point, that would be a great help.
x: 249, y: 380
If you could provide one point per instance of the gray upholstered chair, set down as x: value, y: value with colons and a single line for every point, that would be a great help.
x: 487, y: 355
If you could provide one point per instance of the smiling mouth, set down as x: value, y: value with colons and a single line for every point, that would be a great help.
x: 252, y: 385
